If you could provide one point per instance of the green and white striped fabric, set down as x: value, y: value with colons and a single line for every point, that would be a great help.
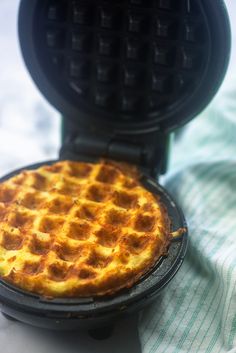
x: 197, y: 311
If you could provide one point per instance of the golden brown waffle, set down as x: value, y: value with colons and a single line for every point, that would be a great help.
x: 76, y: 229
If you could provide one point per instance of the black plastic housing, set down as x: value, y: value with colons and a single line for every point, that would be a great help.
x: 126, y: 66
x: 123, y: 74
x: 126, y: 71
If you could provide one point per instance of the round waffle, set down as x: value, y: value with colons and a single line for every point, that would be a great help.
x: 76, y: 229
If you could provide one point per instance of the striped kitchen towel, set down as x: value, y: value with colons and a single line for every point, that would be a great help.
x: 197, y: 311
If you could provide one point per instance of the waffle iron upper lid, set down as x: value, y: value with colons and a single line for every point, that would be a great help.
x: 126, y: 65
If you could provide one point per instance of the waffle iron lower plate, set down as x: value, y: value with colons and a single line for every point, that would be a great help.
x: 89, y: 313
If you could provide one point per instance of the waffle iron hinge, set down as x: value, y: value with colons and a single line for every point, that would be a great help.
x: 150, y: 156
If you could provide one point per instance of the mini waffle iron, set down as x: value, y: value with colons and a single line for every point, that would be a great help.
x: 124, y: 74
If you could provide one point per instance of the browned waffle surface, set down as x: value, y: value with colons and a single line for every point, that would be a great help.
x: 75, y: 229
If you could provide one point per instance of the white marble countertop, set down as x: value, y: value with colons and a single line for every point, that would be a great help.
x: 29, y: 132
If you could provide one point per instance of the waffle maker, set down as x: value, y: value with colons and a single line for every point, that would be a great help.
x: 124, y: 75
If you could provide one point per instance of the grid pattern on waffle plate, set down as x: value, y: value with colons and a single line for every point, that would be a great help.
x: 73, y: 229
x: 128, y: 58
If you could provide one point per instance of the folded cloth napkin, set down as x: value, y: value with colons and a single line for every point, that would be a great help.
x: 197, y: 311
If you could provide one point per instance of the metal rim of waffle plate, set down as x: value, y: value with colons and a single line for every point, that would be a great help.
x: 149, y: 285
